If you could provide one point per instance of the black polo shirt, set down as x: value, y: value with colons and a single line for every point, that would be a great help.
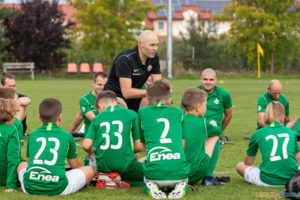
x: 128, y: 65
x: 24, y: 120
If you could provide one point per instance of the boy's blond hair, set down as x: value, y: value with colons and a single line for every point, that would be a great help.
x: 8, y: 109
x: 274, y: 112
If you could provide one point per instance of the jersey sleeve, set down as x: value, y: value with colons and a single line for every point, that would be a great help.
x: 227, y: 102
x: 135, y: 126
x: 91, y: 134
x: 84, y: 106
x: 213, y: 130
x: 19, y: 127
x: 13, y: 159
x: 123, y: 67
x: 142, y: 139
x: 287, y: 108
x: 72, y: 148
x: 297, y: 148
x: 261, y: 105
x: 156, y: 66
x: 253, y: 146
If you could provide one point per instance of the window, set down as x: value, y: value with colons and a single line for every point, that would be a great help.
x: 212, y: 28
x: 160, y: 25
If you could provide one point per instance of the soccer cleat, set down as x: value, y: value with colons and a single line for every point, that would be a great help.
x: 178, y: 192
x: 108, y: 177
x: 106, y: 185
x: 210, y: 181
x: 154, y: 191
x: 123, y: 184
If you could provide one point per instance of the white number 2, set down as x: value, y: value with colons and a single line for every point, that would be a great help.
x: 275, y: 145
x: 107, y: 138
x: 163, y: 136
x: 42, y: 148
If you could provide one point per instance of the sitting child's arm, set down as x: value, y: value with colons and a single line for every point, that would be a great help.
x: 138, y: 146
x: 87, y: 146
x: 249, y: 160
x: 297, y: 156
x: 292, y: 123
x: 75, y: 163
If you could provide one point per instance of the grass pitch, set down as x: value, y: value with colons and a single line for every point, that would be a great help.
x: 244, y: 92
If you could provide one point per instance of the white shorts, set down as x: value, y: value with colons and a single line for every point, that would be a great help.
x: 76, y: 179
x: 166, y: 182
x: 252, y: 175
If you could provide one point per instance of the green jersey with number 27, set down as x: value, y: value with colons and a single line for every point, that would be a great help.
x: 278, y: 146
x: 161, y: 132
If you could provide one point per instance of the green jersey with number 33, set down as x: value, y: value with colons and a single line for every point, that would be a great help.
x: 111, y: 133
x: 161, y: 132
x: 278, y: 146
x: 47, y: 149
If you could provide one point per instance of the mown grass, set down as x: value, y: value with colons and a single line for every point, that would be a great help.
x: 244, y: 93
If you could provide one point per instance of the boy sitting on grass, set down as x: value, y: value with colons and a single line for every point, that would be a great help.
x: 111, y: 132
x: 10, y: 149
x: 279, y: 151
x: 161, y: 134
x: 47, y: 149
x: 200, y: 137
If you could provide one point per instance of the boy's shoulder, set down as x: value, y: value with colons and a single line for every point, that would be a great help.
x: 50, y: 128
x: 160, y: 106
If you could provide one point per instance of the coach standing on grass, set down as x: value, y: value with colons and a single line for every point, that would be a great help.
x: 132, y: 67
x: 273, y: 94
x: 218, y: 113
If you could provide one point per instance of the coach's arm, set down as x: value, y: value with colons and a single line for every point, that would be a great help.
x: 261, y: 119
x: 227, y: 117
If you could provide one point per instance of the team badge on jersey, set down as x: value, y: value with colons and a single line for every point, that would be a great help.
x: 83, y: 109
x: 213, y: 122
x: 216, y: 101
x: 259, y: 108
x: 149, y: 68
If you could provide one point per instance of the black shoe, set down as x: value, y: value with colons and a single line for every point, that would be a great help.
x: 224, y: 179
x: 210, y: 181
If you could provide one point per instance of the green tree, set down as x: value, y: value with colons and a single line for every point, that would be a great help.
x: 271, y: 23
x: 108, y: 26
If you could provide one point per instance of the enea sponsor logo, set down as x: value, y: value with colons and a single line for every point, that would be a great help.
x: 42, y: 174
x: 162, y: 153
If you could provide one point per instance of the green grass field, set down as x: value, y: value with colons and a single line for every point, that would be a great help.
x: 244, y: 92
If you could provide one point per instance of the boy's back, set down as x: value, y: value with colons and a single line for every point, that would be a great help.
x: 111, y: 131
x: 10, y: 155
x: 47, y: 149
x: 161, y: 132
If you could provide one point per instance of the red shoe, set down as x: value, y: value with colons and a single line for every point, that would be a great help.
x: 107, y: 177
x: 106, y: 185
x: 123, y: 184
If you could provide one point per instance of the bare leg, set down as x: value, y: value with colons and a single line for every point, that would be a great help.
x: 21, y: 166
x: 89, y: 173
x: 241, y: 168
x: 210, y: 143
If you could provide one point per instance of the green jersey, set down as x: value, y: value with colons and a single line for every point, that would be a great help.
x: 278, y: 146
x: 10, y: 156
x: 217, y: 102
x: 161, y: 132
x: 296, y: 127
x: 111, y: 132
x: 47, y: 149
x: 265, y: 99
x: 87, y: 104
x: 19, y: 128
x: 195, y: 132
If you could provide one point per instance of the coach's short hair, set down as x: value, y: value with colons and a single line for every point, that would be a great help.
x: 158, y: 91
x: 7, y: 93
x: 191, y: 97
x: 50, y: 109
x: 106, y: 97
x: 274, y: 111
x: 101, y: 74
x: 5, y: 76
x: 8, y: 109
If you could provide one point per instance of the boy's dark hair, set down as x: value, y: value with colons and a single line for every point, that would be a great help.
x: 101, y: 74
x: 5, y: 76
x: 8, y: 109
x: 106, y: 97
x: 191, y: 97
x: 50, y: 109
x: 158, y: 91
x: 7, y: 93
